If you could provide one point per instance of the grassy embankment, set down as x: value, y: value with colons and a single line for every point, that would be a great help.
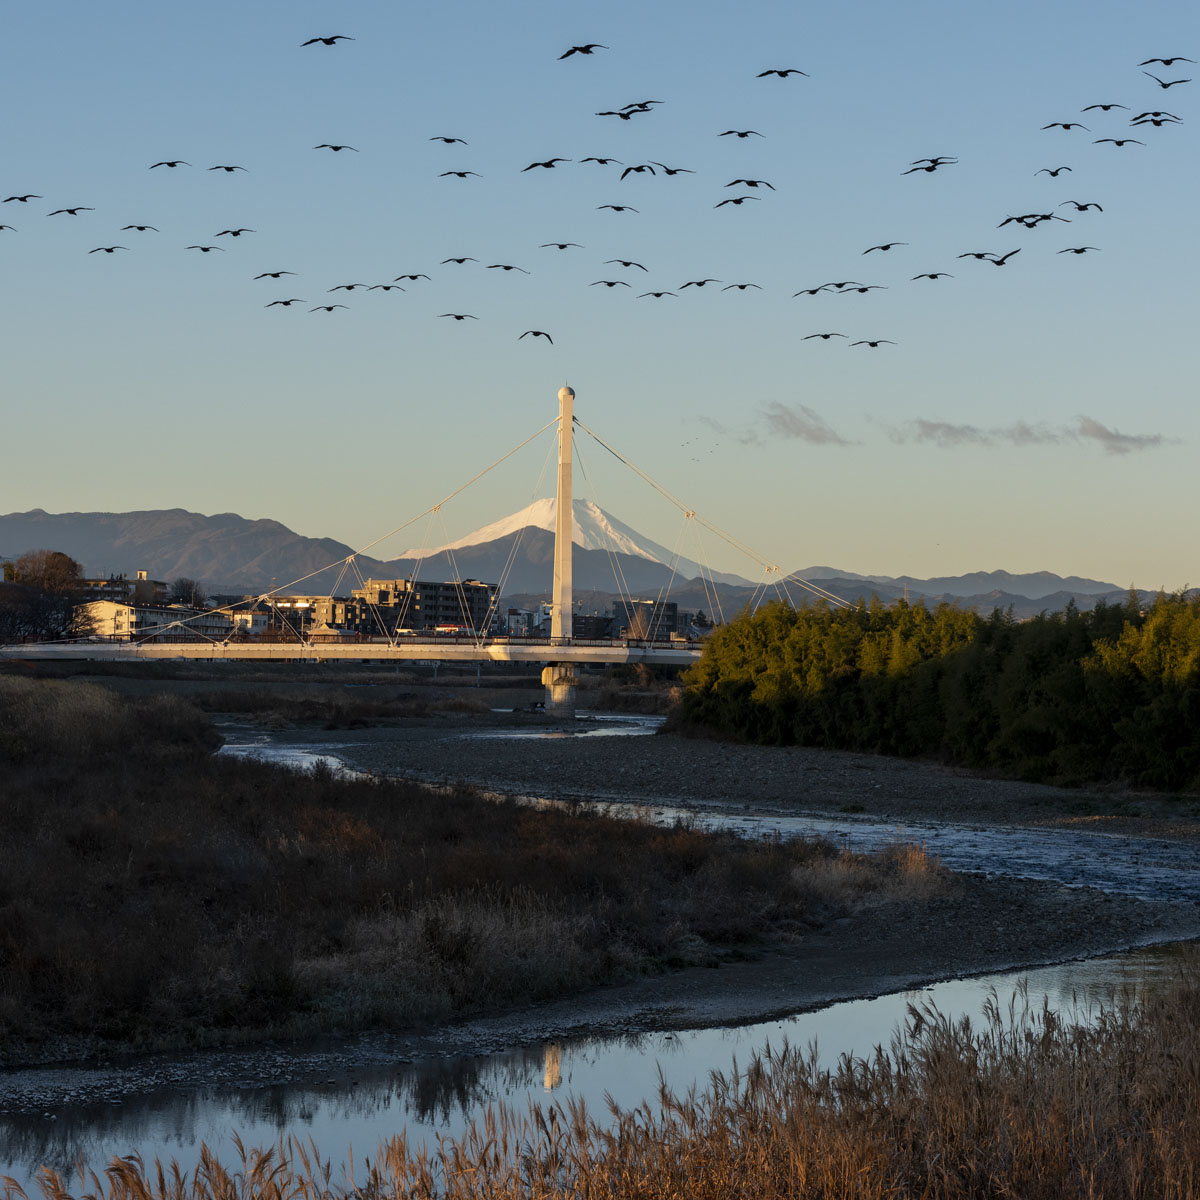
x: 1024, y: 1106
x: 152, y: 895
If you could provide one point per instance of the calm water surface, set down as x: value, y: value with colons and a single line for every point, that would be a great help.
x: 359, y: 1095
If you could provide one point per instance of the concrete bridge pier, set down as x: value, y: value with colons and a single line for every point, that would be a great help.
x: 559, y: 680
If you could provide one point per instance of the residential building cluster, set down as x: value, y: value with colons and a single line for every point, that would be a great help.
x: 123, y: 609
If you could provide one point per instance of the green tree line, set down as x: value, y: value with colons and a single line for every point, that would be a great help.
x: 1072, y: 697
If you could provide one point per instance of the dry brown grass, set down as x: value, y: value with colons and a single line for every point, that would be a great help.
x: 152, y: 896
x: 1024, y: 1106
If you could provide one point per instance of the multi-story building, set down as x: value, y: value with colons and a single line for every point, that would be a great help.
x: 123, y: 590
x: 654, y: 620
x: 154, y: 622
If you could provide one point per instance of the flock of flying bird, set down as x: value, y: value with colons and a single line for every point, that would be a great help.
x: 638, y: 109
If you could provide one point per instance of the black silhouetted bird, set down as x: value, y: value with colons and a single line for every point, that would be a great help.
x: 207, y: 249
x: 1081, y: 207
x: 869, y: 287
x: 873, y: 344
x: 812, y: 291
x: 414, y: 278
x: 385, y: 287
x: 1163, y: 84
x: 934, y: 275
x: 12, y: 227
x: 139, y: 228
x: 448, y: 140
x: 1118, y: 141
x: 228, y: 170
x: 175, y: 162
x: 328, y: 41
x: 1053, y: 172
x: 737, y: 200
x: 616, y: 207
x: 656, y: 295
x: 273, y: 274
x: 335, y: 149
x: 24, y: 199
x: 1104, y: 107
x: 506, y: 267
x: 697, y: 283
x: 234, y: 232
x: 548, y: 164
x: 460, y: 316
x: 930, y: 164
x: 639, y: 105
x: 286, y: 303
x: 846, y: 283
x: 981, y: 254
x: 107, y: 249
x: 560, y: 246
x: 740, y: 133
x: 625, y: 262
x: 673, y: 170
x: 1157, y: 122
x: 71, y: 212
x: 591, y: 46
x: 823, y: 336
x: 1170, y: 116
x: 782, y: 73
x: 741, y: 287
x: 327, y: 307
x: 1078, y: 249
x: 1000, y: 259
x: 625, y: 114
x: 609, y: 283
x: 462, y: 259
x: 602, y: 161
x: 1167, y: 62
x: 1065, y: 125
x: 752, y: 183
x: 884, y: 246
x: 346, y: 287
x: 537, y: 333
x: 637, y: 170
x: 460, y: 174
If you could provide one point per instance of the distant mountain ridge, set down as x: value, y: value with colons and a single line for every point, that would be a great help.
x: 230, y: 553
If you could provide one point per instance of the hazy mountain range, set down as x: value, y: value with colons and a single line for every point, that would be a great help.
x: 230, y: 554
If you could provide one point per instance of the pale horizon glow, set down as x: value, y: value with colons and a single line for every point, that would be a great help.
x: 1038, y: 417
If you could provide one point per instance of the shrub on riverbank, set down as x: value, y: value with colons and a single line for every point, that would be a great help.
x: 151, y: 894
x: 1024, y: 1105
x: 1110, y: 695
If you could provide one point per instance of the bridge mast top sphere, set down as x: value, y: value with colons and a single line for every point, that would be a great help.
x: 565, y: 393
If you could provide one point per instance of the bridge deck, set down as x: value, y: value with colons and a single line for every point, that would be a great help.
x: 515, y: 650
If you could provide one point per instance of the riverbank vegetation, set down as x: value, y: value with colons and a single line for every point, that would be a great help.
x: 1026, y: 1104
x: 153, y: 895
x: 1110, y: 695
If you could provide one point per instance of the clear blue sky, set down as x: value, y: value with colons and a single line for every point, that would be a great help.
x: 1037, y: 416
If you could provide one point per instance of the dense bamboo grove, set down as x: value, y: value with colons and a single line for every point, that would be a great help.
x: 1026, y: 1105
x: 1072, y: 697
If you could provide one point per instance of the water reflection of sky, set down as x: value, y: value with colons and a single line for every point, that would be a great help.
x: 342, y: 1106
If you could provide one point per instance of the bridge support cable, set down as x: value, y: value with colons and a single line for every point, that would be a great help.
x: 622, y: 587
x: 711, y: 595
x: 515, y: 548
x: 728, y: 538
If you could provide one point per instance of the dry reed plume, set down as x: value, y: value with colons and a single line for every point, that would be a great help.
x: 1026, y: 1105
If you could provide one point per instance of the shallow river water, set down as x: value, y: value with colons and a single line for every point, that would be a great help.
x: 357, y: 1094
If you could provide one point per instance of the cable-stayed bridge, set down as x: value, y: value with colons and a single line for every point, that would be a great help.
x: 560, y: 652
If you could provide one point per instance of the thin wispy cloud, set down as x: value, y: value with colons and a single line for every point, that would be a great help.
x: 950, y: 435
x: 801, y: 422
